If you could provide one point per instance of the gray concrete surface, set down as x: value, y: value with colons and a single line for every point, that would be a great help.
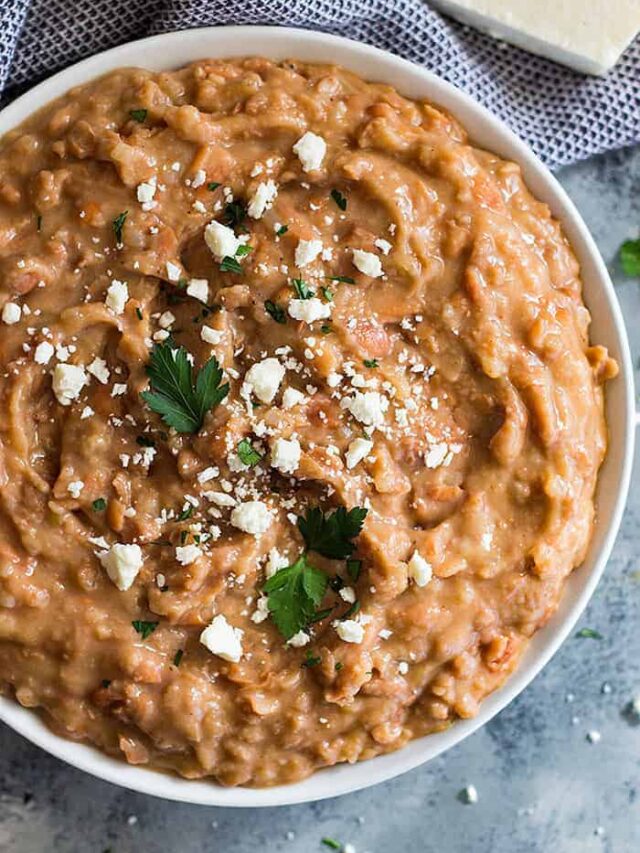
x: 542, y: 786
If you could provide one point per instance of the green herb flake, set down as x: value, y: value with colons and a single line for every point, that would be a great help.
x: 343, y: 279
x: 294, y: 594
x: 145, y: 629
x: 325, y: 328
x: 181, y: 402
x: 275, y: 311
x: 139, y: 313
x: 332, y: 535
x: 99, y: 505
x: 213, y: 185
x: 355, y: 607
x: 339, y: 199
x: 138, y: 115
x: 302, y: 289
x: 332, y: 844
x: 105, y: 683
x: 39, y: 223
x: 338, y: 666
x: 177, y: 659
x: 234, y: 214
x: 371, y: 362
x: 630, y: 257
x: 118, y: 225
x: 589, y: 634
x: 248, y: 454
x: 311, y: 660
x: 282, y: 230
x: 186, y: 513
x: 353, y: 569
x: 243, y: 250
x: 230, y: 264
x: 327, y: 293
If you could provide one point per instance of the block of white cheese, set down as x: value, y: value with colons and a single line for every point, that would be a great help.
x: 588, y: 35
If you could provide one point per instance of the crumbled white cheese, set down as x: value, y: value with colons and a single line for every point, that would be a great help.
x: 221, y: 499
x: 198, y: 288
x: 469, y: 795
x: 262, y: 610
x: 118, y: 389
x: 350, y: 631
x: 11, y: 313
x: 384, y: 246
x: 368, y: 408
x: 307, y: 251
x: 420, y: 571
x: 187, y: 554
x: 44, y: 353
x: 594, y: 736
x: 367, y: 262
x: 262, y: 199
x: 122, y: 563
x: 167, y: 319
x: 99, y: 369
x: 311, y: 150
x: 198, y: 179
x: 403, y: 667
x: 173, y: 271
x: 436, y: 455
x: 221, y: 240
x: 291, y: 397
x: 309, y: 310
x: 210, y: 336
x: 275, y: 562
x: 252, y: 517
x: 299, y: 640
x: 358, y: 449
x: 263, y: 379
x: 348, y: 594
x: 285, y: 455
x: 207, y: 474
x: 68, y: 382
x: 146, y: 191
x: 87, y: 412
x: 75, y: 487
x: 117, y: 295
x: 222, y: 639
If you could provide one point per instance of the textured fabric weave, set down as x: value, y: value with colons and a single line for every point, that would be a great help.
x: 563, y: 115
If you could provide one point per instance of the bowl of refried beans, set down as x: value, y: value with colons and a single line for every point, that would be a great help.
x: 317, y: 416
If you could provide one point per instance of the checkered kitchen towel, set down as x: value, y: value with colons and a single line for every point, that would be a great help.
x: 563, y: 115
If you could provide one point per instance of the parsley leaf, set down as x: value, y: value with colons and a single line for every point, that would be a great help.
x: 182, y: 403
x: 186, y: 513
x: 344, y: 279
x: 353, y: 569
x: 302, y: 289
x: 138, y: 115
x: 248, y: 454
x: 177, y: 660
x: 230, y: 264
x: 327, y: 293
x: 370, y: 362
x: 311, y: 660
x: 234, y: 214
x: 243, y: 250
x: 275, y: 311
x: 39, y: 223
x: 118, y: 225
x: 589, y: 634
x: 332, y: 843
x: 282, y: 230
x: 339, y: 199
x: 145, y: 629
x: 630, y: 257
x: 99, y: 504
x: 213, y: 185
x: 294, y: 593
x: 331, y: 535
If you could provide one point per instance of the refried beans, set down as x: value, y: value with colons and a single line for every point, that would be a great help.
x: 300, y: 423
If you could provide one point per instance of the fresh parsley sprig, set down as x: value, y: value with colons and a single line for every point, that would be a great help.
x: 630, y: 257
x: 295, y: 592
x: 174, y: 395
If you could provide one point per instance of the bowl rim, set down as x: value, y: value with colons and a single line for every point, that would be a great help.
x: 170, y: 50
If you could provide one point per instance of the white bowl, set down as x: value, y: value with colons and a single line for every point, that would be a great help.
x: 176, y: 49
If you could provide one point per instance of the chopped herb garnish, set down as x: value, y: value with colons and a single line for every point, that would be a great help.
x: 234, y: 214
x: 344, y: 279
x: 105, y: 683
x: 174, y: 395
x: 177, y: 659
x: 182, y: 283
x: 339, y: 199
x: 118, y: 225
x: 243, y: 250
x: 145, y: 441
x: 589, y: 633
x: 248, y: 454
x: 325, y: 328
x: 332, y: 535
x: 138, y: 115
x: 145, y: 629
x: 338, y: 666
x: 630, y: 257
x: 275, y: 311
x: 230, y: 264
x: 39, y: 223
x: 139, y: 313
x: 302, y: 289
x: 183, y: 536
x: 282, y: 230
x: 186, y: 513
x: 355, y: 607
x: 332, y: 843
x: 311, y: 660
x: 353, y: 569
x: 327, y: 293
x: 99, y: 504
x: 370, y: 362
x: 213, y: 185
x: 296, y: 591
